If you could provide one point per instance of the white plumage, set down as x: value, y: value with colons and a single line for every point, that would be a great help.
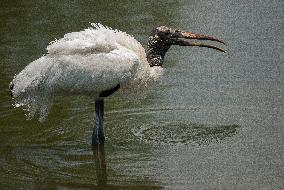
x: 83, y: 63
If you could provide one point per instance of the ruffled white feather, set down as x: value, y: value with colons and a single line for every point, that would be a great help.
x: 83, y: 63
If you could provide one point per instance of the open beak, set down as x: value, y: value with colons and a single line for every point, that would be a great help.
x: 180, y: 38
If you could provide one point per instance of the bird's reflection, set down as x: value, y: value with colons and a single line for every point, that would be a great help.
x: 101, y: 171
x: 99, y: 155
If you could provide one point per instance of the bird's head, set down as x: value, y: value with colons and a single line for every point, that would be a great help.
x: 162, y: 38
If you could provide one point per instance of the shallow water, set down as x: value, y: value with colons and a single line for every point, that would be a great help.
x: 214, y: 122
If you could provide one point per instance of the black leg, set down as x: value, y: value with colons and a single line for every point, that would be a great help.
x: 98, y: 136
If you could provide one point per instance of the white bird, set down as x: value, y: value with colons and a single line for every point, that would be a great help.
x: 97, y: 62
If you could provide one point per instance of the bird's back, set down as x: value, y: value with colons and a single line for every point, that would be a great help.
x: 94, y: 40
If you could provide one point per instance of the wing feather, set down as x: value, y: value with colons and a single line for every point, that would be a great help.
x: 77, y: 74
x: 96, y: 72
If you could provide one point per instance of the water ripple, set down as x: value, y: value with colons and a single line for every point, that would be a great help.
x: 183, y: 133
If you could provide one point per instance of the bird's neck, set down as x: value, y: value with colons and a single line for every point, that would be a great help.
x: 154, y: 58
x: 156, y: 50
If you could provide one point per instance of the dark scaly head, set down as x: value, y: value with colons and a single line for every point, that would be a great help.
x: 162, y: 38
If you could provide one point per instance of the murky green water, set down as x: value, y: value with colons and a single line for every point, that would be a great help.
x: 214, y: 122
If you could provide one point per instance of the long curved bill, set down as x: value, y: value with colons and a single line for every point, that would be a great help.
x: 181, y: 39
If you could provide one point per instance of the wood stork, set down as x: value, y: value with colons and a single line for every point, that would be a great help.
x: 96, y: 62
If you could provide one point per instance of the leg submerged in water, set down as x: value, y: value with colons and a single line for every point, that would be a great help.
x: 98, y: 136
